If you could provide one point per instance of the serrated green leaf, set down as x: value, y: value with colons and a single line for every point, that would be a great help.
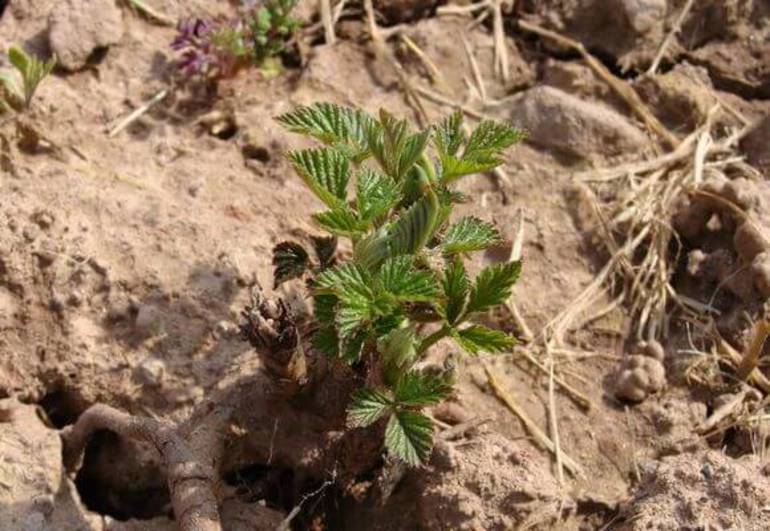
x: 455, y: 284
x: 326, y: 172
x: 340, y: 221
x: 353, y: 346
x: 409, y: 436
x: 470, y: 234
x: 491, y: 137
x: 448, y: 136
x: 454, y: 168
x: 348, y: 282
x: 475, y: 339
x: 366, y: 407
x: 353, y: 315
x: 338, y: 126
x: 419, y: 388
x: 375, y: 195
x: 401, y: 280
x: 353, y: 286
x: 326, y: 341
x: 290, y: 260
x: 324, y: 308
x: 493, y: 286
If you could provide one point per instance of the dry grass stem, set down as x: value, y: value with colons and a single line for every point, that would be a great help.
x: 669, y: 37
x: 542, y: 439
x: 131, y: 118
x: 754, y: 351
x: 328, y: 21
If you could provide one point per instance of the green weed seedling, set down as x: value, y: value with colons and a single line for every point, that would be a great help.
x: 389, y: 191
x: 18, y: 84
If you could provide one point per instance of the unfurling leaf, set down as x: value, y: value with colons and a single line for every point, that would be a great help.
x: 470, y: 234
x: 366, y: 407
x: 493, y: 286
x: 290, y: 260
x: 476, y: 339
x: 376, y: 194
x: 409, y: 436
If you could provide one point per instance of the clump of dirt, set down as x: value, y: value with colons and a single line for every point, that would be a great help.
x: 727, y: 235
x: 689, y: 491
x: 488, y: 483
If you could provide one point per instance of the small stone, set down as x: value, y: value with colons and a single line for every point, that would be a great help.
x: 185, y: 395
x: 30, y: 232
x: 151, y: 372
x: 655, y: 350
x: 644, y: 15
x: 639, y: 377
x: 760, y: 269
x: 43, y: 218
x: 749, y: 241
x: 561, y: 122
x: 77, y: 28
x: 225, y: 328
x: 75, y: 298
x: 147, y: 320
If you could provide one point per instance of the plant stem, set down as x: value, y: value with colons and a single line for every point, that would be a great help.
x: 432, y: 339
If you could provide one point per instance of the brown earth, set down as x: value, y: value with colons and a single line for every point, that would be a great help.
x: 126, y: 260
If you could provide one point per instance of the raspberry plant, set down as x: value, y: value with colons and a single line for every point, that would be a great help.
x: 389, y: 191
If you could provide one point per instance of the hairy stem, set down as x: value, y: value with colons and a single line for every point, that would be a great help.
x: 432, y: 339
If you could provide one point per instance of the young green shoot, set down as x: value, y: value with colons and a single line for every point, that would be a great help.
x: 389, y: 191
x: 19, y: 83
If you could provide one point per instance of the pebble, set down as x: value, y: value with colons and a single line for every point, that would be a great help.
x: 151, y: 371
